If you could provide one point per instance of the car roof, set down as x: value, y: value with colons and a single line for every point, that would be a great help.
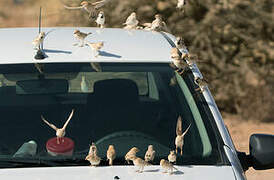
x: 120, y: 45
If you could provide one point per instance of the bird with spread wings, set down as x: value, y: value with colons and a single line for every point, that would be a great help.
x: 179, y: 140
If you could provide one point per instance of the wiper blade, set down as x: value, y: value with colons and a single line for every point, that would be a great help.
x: 23, y: 162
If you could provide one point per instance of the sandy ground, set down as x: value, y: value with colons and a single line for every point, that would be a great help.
x: 240, y: 131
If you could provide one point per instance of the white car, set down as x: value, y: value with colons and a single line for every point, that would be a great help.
x: 128, y: 96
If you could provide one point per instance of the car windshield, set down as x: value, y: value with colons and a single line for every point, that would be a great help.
x: 125, y: 104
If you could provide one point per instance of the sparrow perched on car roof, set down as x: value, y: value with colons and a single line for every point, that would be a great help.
x: 201, y: 82
x: 60, y: 132
x: 179, y: 140
x: 95, y: 47
x: 131, y: 22
x: 93, y: 159
x: 150, y: 154
x: 178, y: 60
x: 80, y: 36
x: 167, y: 166
x: 138, y: 162
x: 180, y: 43
x: 157, y: 25
x: 131, y: 153
x: 111, y: 154
x: 172, y: 157
x: 92, y: 148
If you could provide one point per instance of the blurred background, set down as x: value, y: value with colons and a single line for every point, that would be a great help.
x: 234, y: 39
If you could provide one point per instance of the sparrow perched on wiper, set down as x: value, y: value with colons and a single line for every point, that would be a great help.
x: 201, y: 82
x: 131, y: 153
x: 39, y: 40
x: 84, y: 84
x: 88, y: 7
x: 60, y: 132
x: 172, y: 157
x: 178, y: 60
x: 131, y: 22
x: 157, y: 25
x: 80, y: 36
x: 96, y: 47
x: 150, y: 154
x: 101, y: 19
x: 111, y: 154
x: 138, y: 162
x: 93, y: 158
x: 179, y: 140
x: 167, y: 166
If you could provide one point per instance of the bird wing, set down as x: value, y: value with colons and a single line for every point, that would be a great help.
x: 99, y: 4
x: 67, y: 7
x: 179, y: 130
x: 186, y: 130
x: 70, y: 116
x: 50, y: 125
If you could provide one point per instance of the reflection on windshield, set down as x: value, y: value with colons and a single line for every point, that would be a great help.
x: 124, y: 109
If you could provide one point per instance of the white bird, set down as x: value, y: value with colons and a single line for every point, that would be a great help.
x: 101, y: 3
x: 60, y: 132
x: 84, y: 85
x: 179, y: 140
x: 39, y: 40
x: 181, y: 4
x: 101, y: 19
x: 131, y: 22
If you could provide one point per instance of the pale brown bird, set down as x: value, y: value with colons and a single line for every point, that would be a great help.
x: 201, y: 82
x: 60, y: 132
x: 80, y: 36
x: 167, y: 166
x: 39, y: 40
x: 131, y: 153
x: 172, y: 157
x: 131, y: 22
x: 178, y: 59
x: 88, y: 7
x: 157, y: 25
x: 140, y: 163
x: 96, y: 47
x: 180, y: 43
x: 111, y: 154
x: 93, y: 159
x: 179, y: 140
x: 150, y: 154
x: 92, y: 149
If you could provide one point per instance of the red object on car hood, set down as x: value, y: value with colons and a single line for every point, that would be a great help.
x: 65, y: 147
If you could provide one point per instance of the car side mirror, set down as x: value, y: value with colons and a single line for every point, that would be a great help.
x: 261, y: 148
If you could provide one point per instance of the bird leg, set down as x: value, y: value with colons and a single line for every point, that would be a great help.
x: 58, y: 140
x: 181, y: 150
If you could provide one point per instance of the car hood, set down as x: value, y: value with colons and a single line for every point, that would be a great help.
x: 122, y: 172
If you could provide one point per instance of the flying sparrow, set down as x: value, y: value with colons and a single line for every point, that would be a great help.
x: 172, y: 157
x: 101, y: 3
x: 100, y: 19
x: 131, y: 22
x: 88, y: 7
x: 150, y: 154
x: 138, y: 162
x: 93, y: 159
x: 131, y: 153
x: 201, y: 82
x: 39, y: 40
x: 60, y: 132
x: 84, y: 85
x: 80, y: 36
x: 96, y: 47
x: 111, y: 154
x: 179, y: 140
x: 167, y: 166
